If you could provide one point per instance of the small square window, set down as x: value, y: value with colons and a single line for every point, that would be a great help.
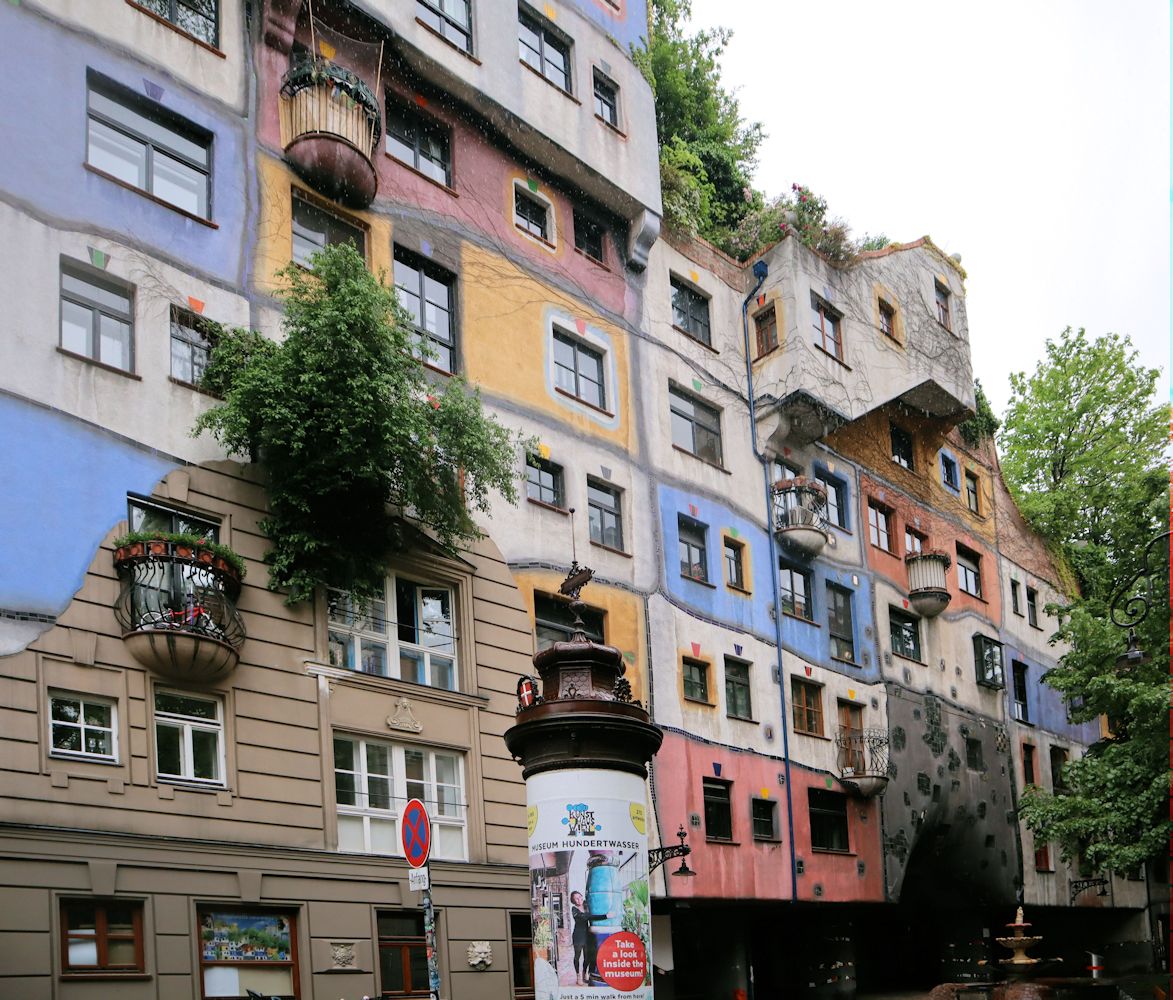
x: 696, y: 426
x: 420, y: 142
x: 451, y: 18
x: 914, y: 542
x: 696, y: 680
x: 826, y: 322
x: 944, y: 310
x: 766, y: 330
x: 101, y: 936
x: 806, y: 707
x: 543, y: 481
x: 987, y: 654
x: 718, y: 814
x: 902, y: 447
x: 734, y: 570
x: 737, y: 695
x: 887, y: 320
x: 97, y: 316
x: 588, y: 236
x: 904, y: 631
x: 315, y: 228
x: 605, y: 511
x: 972, y: 492
x: 531, y: 215
x: 83, y: 726
x: 969, y: 571
x: 242, y: 947
x: 541, y: 48
x: 1032, y: 606
x: 579, y: 371
x: 879, y: 526
x: 764, y: 814
x: 606, y: 99
x: 690, y: 312
x: 973, y: 755
x: 949, y: 473
x: 794, y: 586
x: 189, y: 738
x: 693, y: 557
x: 192, y: 341
x: 828, y: 820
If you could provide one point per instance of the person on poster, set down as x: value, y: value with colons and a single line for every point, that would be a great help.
x: 581, y: 939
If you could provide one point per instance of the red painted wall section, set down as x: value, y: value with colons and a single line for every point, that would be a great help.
x: 756, y: 869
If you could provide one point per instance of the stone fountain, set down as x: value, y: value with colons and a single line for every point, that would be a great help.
x: 1019, y: 942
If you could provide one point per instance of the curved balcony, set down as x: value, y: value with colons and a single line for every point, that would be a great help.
x: 799, y: 521
x: 927, y: 591
x: 863, y: 760
x: 330, y: 127
x: 177, y: 609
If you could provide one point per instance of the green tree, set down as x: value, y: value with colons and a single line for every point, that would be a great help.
x: 353, y: 434
x: 1083, y: 447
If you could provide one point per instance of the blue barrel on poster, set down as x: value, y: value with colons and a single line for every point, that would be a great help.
x: 604, y: 896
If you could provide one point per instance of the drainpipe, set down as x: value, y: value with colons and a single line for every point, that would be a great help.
x: 760, y: 270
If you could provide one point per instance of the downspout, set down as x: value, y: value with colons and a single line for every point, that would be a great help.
x: 760, y: 270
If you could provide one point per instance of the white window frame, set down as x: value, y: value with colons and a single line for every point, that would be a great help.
x: 388, y: 636
x: 82, y: 700
x: 550, y: 240
x: 187, y: 725
x: 399, y: 794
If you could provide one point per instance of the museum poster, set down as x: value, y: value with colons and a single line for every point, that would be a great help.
x: 591, y: 908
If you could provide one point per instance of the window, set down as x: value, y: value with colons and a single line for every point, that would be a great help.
x: 691, y: 543
x: 828, y: 819
x: 696, y: 680
x: 902, y: 447
x: 718, y: 814
x: 807, y: 707
x: 1058, y: 761
x: 196, y: 17
x: 734, y: 571
x: 175, y: 592
x: 766, y: 330
x: 247, y: 951
x: 971, y: 492
x: 943, y: 310
x: 826, y: 323
x: 555, y: 623
x: 408, y: 634
x: 696, y: 426
x: 1028, y: 764
x: 97, y: 316
x: 82, y: 726
x: 878, y: 523
x: 690, y: 312
x: 521, y: 942
x: 192, y: 340
x: 588, y: 236
x: 851, y: 754
x: 1032, y: 606
x: 794, y: 588
x: 737, y: 697
x: 914, y: 542
x: 144, y: 145
x: 543, y: 481
x: 315, y: 228
x: 606, y: 99
x: 426, y: 292
x: 887, y: 320
x: 578, y: 370
x: 605, y: 513
x: 987, y: 654
x: 142, y: 515
x: 1015, y: 597
x: 101, y: 936
x: 189, y: 738
x: 949, y: 473
x: 1043, y: 858
x: 836, y: 511
x: 531, y: 215
x: 374, y: 780
x: 973, y: 754
x: 969, y: 572
x: 451, y: 18
x: 421, y: 143
x: 839, y: 623
x: 544, y: 51
x: 764, y: 816
x: 904, y: 631
x: 1018, y: 683
x: 403, y: 953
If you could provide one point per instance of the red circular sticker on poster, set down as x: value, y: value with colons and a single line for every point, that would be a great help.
x: 622, y: 962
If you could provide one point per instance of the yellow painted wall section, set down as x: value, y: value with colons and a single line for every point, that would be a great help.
x: 623, y: 625
x: 505, y: 320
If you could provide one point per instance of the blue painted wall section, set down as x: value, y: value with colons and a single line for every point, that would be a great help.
x: 52, y: 119
x: 626, y: 21
x: 1046, y: 707
x: 65, y: 486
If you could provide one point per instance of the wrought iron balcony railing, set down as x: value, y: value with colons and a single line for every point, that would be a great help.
x: 863, y: 759
x: 177, y: 609
x: 799, y: 518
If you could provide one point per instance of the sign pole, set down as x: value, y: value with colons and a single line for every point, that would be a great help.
x: 430, y: 940
x: 415, y: 834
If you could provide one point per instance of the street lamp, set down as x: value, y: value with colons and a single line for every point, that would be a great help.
x: 658, y: 855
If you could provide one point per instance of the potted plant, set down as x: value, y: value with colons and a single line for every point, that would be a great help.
x: 543, y: 937
x: 135, y: 545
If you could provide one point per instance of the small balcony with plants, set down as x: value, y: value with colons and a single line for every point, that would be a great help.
x: 927, y: 590
x: 330, y: 129
x: 177, y: 604
x: 863, y: 760
x: 800, y: 506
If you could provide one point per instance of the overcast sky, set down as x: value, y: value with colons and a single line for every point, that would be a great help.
x: 1031, y: 137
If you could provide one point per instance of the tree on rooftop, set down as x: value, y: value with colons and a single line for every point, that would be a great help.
x: 353, y: 433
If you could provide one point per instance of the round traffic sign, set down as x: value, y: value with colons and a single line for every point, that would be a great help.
x: 415, y: 833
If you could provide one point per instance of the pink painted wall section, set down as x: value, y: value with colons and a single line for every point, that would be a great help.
x: 754, y: 869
